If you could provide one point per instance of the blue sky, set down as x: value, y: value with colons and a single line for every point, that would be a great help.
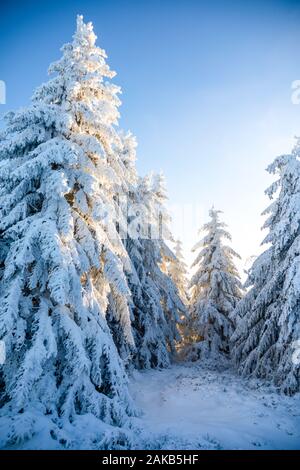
x: 206, y: 90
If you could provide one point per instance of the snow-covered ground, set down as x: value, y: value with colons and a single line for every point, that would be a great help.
x: 193, y: 406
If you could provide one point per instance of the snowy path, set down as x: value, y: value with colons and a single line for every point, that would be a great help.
x: 191, y: 406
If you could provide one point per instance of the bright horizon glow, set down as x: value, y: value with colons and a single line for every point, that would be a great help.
x: 206, y: 90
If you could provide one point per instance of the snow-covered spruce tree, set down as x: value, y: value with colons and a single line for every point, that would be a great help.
x: 269, y: 314
x: 215, y: 290
x: 148, y: 320
x: 61, y: 258
x: 178, y: 272
x: 156, y: 304
x: 173, y: 305
x: 122, y: 162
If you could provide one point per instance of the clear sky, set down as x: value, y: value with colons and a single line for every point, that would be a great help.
x: 206, y: 90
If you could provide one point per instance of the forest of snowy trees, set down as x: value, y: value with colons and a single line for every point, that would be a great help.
x: 93, y: 285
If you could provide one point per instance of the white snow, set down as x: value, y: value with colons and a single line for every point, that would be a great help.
x: 194, y: 406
